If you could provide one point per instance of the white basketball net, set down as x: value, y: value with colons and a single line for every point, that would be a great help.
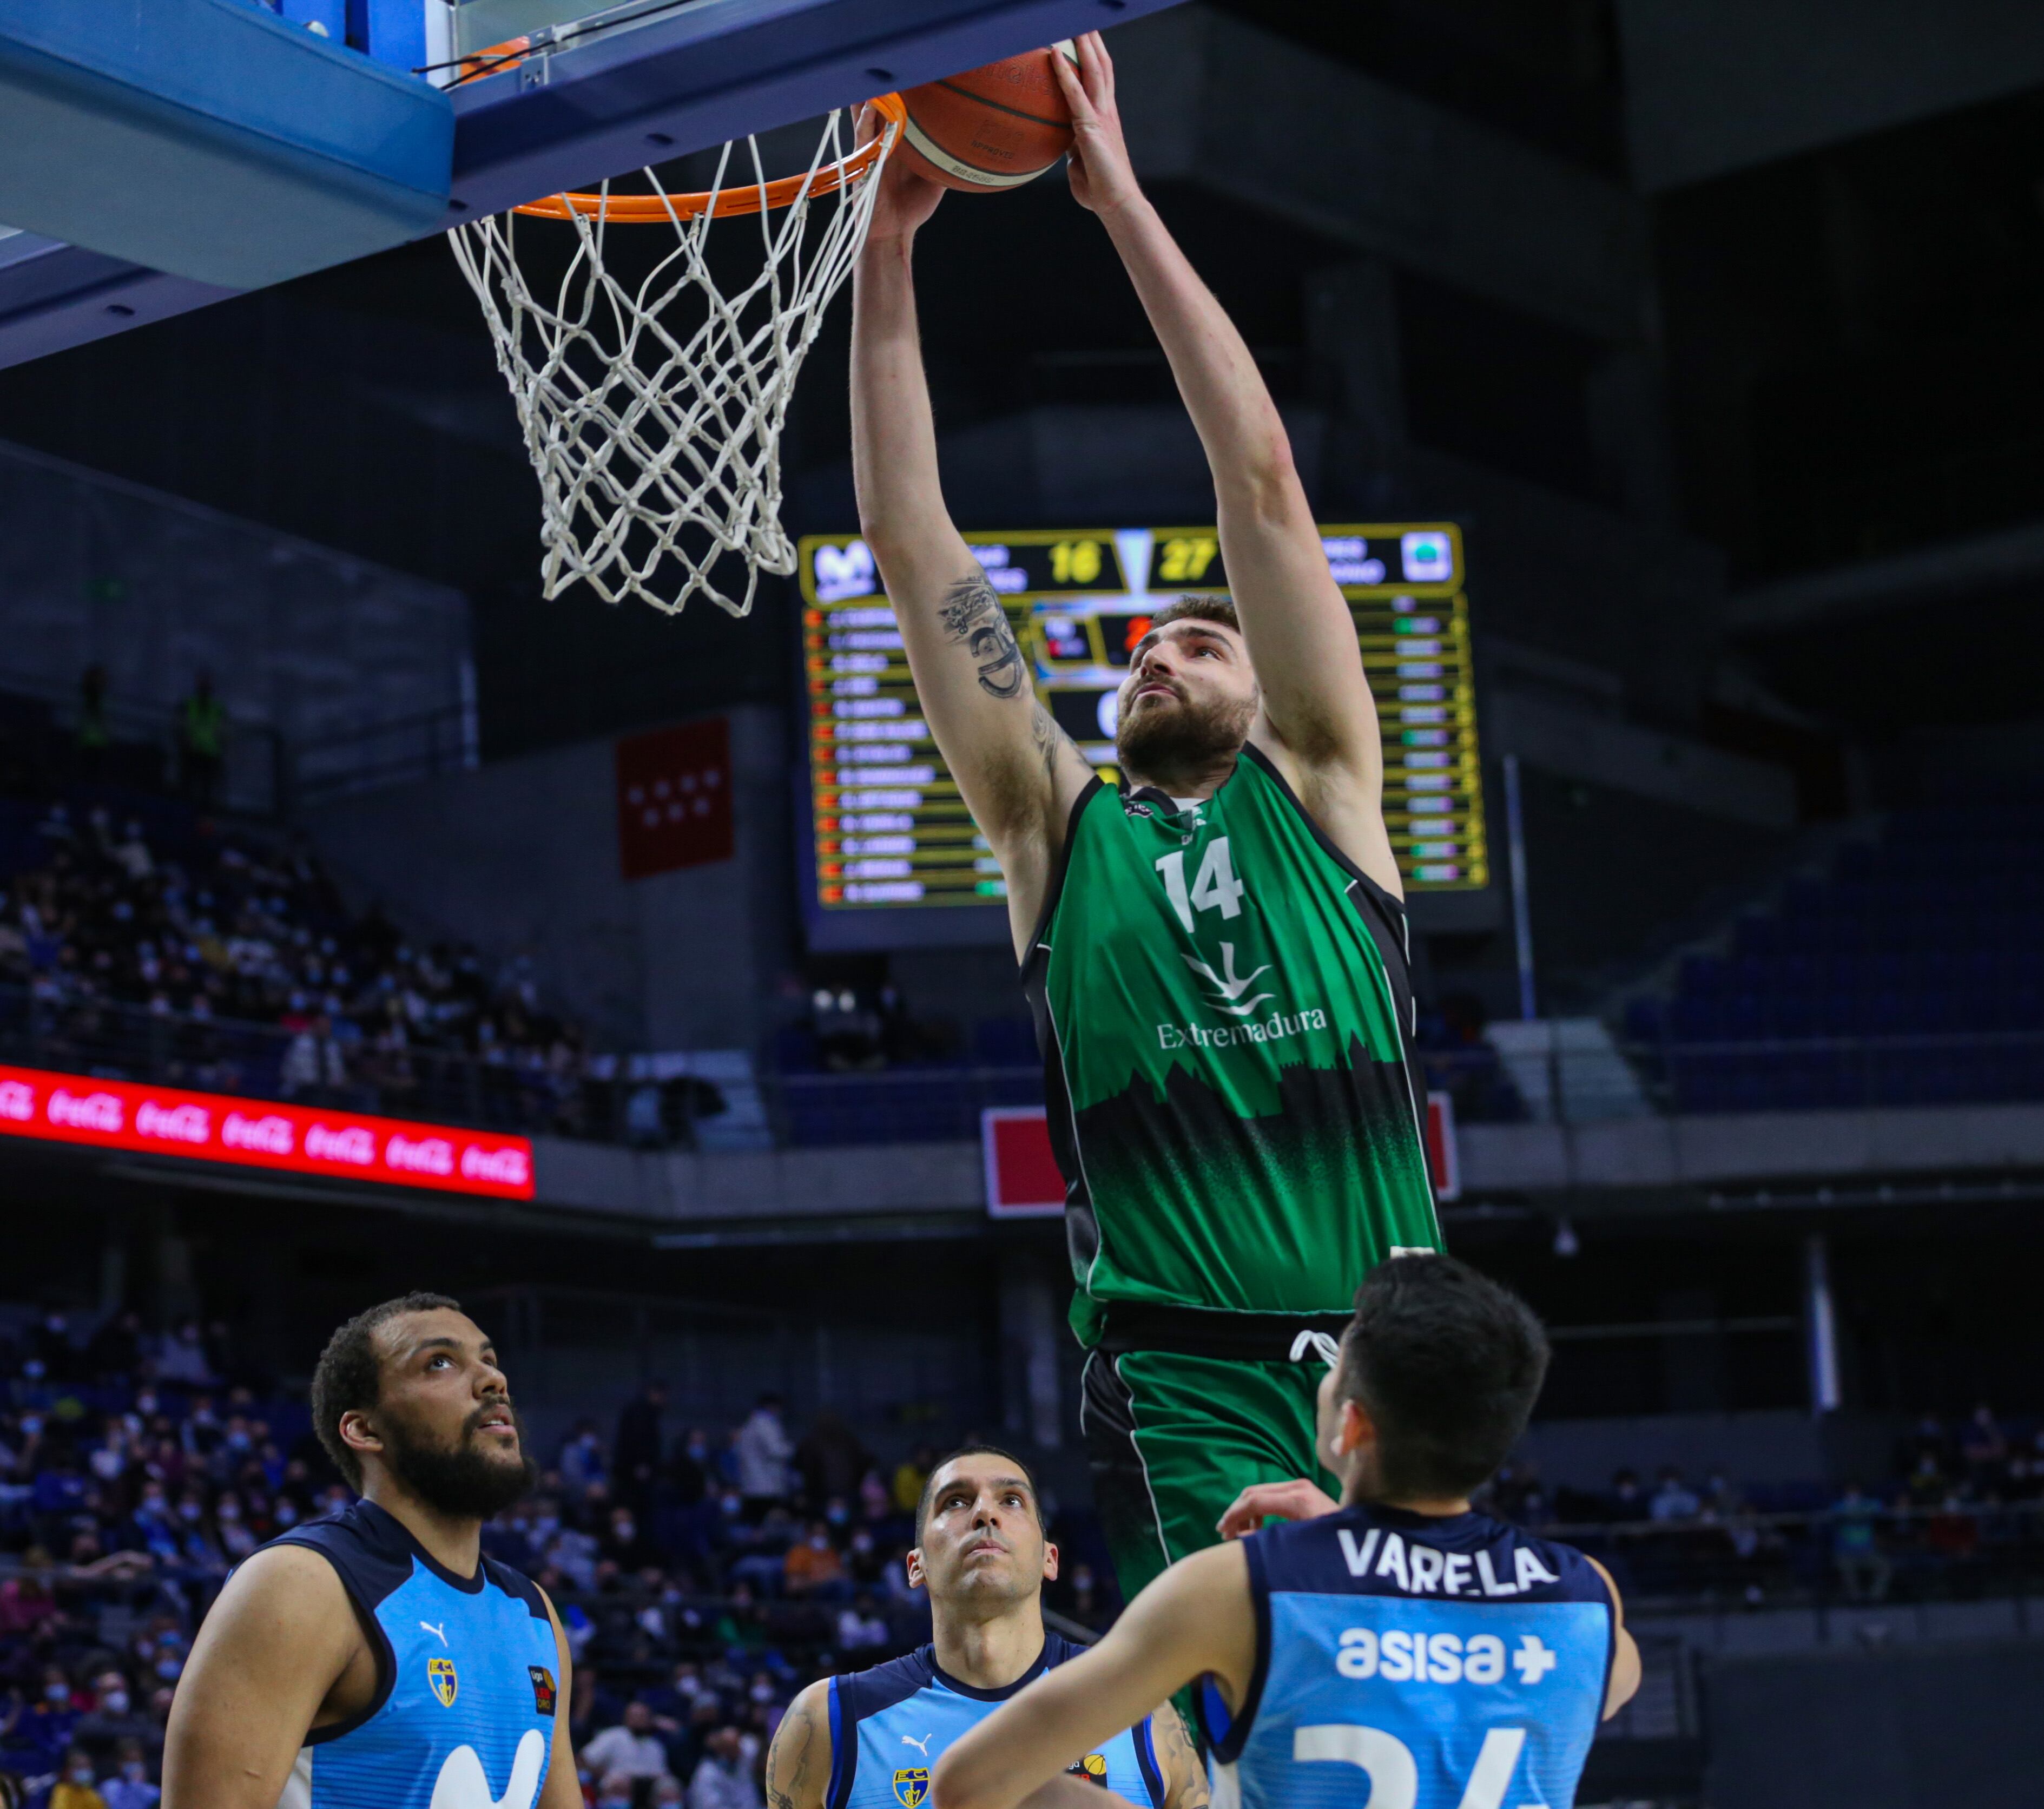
x: 657, y: 446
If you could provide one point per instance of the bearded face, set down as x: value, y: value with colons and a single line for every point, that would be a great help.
x: 1181, y: 726
x: 468, y: 1479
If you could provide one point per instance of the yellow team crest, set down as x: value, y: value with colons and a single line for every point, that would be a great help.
x: 439, y: 1674
x: 1092, y: 1768
x: 911, y: 1787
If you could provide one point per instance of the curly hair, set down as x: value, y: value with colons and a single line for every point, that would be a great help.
x: 349, y: 1376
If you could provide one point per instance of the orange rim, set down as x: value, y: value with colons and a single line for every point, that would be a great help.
x: 647, y: 210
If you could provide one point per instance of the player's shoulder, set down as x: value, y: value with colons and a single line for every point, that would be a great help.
x: 857, y: 1694
x: 368, y: 1548
x: 1366, y: 1549
x: 517, y: 1585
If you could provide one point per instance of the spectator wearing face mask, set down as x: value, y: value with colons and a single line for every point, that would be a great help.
x: 115, y: 1719
x: 129, y: 1787
x: 724, y: 1780
x: 614, y: 1790
x: 49, y: 1724
x: 77, y: 1785
x: 813, y: 1569
x: 631, y: 1750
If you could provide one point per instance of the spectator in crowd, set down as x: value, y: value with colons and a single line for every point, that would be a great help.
x: 910, y: 1474
x: 860, y: 1627
x: 1984, y: 1448
x: 831, y: 1461
x: 813, y: 1568
x: 636, y: 1452
x: 1628, y: 1500
x: 1674, y: 1500
x: 763, y: 1452
x: 632, y: 1747
x: 202, y: 741
x: 128, y: 1785
x: 615, y: 1790
x: 1856, y: 1554
x: 724, y: 1780
x: 78, y: 1783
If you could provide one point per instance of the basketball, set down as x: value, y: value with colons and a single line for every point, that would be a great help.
x: 992, y: 128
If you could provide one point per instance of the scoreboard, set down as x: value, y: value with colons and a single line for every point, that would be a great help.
x: 892, y: 856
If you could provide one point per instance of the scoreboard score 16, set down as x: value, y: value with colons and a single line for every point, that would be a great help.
x: 888, y: 830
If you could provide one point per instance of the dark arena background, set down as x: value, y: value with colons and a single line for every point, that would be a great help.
x: 1668, y: 377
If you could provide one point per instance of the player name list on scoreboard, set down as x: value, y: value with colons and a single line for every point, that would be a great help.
x: 890, y: 829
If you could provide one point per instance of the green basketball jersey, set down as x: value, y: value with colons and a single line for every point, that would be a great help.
x: 1222, y: 999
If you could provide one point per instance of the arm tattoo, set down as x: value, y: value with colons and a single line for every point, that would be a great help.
x: 1188, y: 1776
x: 1048, y: 738
x: 788, y: 1772
x: 970, y: 612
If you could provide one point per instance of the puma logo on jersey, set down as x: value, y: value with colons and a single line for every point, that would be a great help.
x: 1230, y: 985
x: 464, y: 1784
x: 427, y: 1627
x: 922, y: 1745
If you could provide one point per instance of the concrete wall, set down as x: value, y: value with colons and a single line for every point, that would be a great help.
x: 522, y: 856
x: 1939, y: 1727
x: 1718, y: 85
x: 298, y: 638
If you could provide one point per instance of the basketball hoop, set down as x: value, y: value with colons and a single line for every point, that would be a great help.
x: 658, y: 450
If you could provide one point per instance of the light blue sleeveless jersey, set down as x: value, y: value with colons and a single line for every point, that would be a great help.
x: 463, y: 1714
x: 1411, y: 1662
x: 890, y: 1725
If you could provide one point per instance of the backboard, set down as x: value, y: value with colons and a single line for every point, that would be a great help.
x: 175, y: 176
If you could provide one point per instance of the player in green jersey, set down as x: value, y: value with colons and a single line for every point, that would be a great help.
x: 1216, y: 953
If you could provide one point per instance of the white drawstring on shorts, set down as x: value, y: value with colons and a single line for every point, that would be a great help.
x: 1318, y: 1343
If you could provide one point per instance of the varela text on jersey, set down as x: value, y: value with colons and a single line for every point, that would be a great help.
x: 1424, y: 1570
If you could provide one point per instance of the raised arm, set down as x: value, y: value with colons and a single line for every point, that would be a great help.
x: 1318, y: 719
x: 1020, y: 773
x: 1195, y: 1619
x: 280, y: 1638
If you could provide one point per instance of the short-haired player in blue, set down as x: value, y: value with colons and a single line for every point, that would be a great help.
x: 374, y: 1659
x: 868, y: 1741
x: 1400, y: 1647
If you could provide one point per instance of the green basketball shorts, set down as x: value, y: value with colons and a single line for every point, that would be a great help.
x: 1177, y: 1424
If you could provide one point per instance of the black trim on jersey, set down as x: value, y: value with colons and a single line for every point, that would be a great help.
x: 1055, y: 890
x: 1145, y: 1759
x: 1384, y: 915
x: 373, y: 1552
x: 860, y: 1694
x: 1226, y: 1743
x: 1216, y: 1332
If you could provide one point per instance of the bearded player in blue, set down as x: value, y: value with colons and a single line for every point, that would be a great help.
x: 868, y: 1741
x: 374, y: 1659
x: 1401, y: 1648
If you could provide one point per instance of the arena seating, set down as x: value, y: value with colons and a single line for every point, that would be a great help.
x: 1912, y: 974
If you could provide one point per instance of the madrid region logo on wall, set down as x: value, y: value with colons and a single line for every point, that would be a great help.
x: 911, y: 1787
x: 439, y: 1674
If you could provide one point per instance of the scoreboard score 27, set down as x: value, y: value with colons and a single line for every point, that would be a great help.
x: 890, y: 844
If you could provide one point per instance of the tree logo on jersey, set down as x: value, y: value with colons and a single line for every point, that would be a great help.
x: 543, y: 1688
x: 911, y: 1787
x: 439, y: 1674
x: 1092, y: 1768
x: 1228, y: 984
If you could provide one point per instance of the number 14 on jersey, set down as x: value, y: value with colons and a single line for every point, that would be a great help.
x: 1215, y: 887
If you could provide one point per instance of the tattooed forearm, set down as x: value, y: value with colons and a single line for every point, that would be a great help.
x: 972, y: 612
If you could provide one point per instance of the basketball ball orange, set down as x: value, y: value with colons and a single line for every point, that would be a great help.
x: 990, y: 129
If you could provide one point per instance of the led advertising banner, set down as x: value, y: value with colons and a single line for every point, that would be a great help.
x: 892, y: 856
x: 257, y: 1134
